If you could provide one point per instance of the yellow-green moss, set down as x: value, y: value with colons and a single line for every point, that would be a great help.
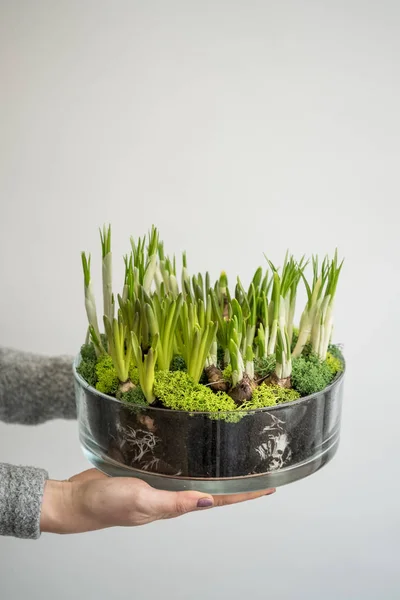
x: 176, y: 390
x: 335, y: 351
x: 334, y: 363
x: 227, y: 373
x: 134, y: 374
x: 269, y: 395
x: 107, y: 378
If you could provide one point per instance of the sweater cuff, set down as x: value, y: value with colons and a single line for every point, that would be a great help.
x: 21, y: 494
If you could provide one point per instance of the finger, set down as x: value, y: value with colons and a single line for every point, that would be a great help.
x: 89, y: 475
x: 237, y: 498
x: 166, y: 505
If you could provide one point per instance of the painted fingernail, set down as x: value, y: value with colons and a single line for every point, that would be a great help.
x: 204, y: 503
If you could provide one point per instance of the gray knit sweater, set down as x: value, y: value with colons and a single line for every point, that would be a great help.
x: 33, y: 389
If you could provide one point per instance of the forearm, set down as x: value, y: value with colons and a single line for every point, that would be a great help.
x: 35, y: 389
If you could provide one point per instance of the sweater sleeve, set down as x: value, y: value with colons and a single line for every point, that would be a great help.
x: 21, y: 493
x: 35, y: 389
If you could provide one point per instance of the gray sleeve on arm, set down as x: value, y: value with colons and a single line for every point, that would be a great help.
x: 34, y: 388
x: 21, y: 492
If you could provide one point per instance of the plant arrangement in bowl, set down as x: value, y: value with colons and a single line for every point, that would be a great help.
x: 190, y: 384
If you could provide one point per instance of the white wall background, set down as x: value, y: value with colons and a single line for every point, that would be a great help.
x: 237, y: 127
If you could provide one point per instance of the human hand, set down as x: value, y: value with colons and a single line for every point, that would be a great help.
x: 91, y: 501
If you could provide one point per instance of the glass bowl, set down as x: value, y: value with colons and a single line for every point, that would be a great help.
x: 215, y: 453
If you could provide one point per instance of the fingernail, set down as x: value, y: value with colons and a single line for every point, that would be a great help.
x: 270, y: 492
x: 204, y: 503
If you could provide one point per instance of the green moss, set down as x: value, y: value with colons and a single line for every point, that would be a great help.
x: 100, y: 373
x: 264, y: 366
x: 178, y: 364
x: 269, y: 395
x: 334, y: 363
x: 88, y: 353
x: 107, y: 379
x: 310, y: 375
x: 232, y: 416
x: 227, y: 373
x: 134, y: 374
x: 135, y: 397
x: 87, y: 370
x: 176, y: 390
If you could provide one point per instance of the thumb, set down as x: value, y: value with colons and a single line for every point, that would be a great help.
x: 88, y: 475
x: 166, y: 505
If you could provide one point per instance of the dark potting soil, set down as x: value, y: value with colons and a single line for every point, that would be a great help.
x: 196, y: 446
x: 193, y: 445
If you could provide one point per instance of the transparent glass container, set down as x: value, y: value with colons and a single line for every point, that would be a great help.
x: 221, y: 453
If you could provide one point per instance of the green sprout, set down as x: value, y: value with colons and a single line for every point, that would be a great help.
x: 146, y: 364
x: 185, y: 278
x: 195, y: 337
x: 314, y: 292
x: 262, y: 338
x: 90, y: 305
x: 228, y: 349
x: 145, y: 259
x: 108, y: 300
x: 130, y: 281
x: 274, y: 313
x: 236, y: 361
x: 283, y: 368
x: 323, y: 320
x: 162, y: 317
x: 119, y: 349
